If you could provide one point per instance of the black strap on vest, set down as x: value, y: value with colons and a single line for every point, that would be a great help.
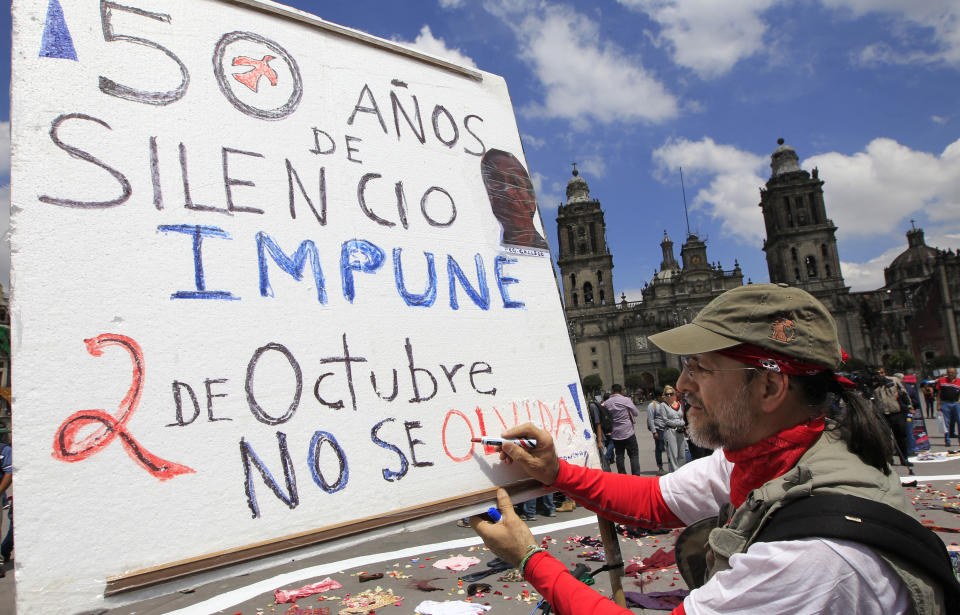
x: 870, y: 523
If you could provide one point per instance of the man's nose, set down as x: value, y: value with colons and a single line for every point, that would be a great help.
x: 685, y: 383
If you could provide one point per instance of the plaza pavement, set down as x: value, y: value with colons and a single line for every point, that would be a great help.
x: 408, y: 557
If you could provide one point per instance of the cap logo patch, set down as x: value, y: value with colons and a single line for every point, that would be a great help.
x: 783, y: 330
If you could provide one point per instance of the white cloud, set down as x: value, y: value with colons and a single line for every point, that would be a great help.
x: 428, y: 43
x: 710, y: 37
x: 939, y: 119
x: 594, y: 165
x: 869, y: 195
x: 585, y: 76
x: 873, y: 191
x: 868, y: 275
x: 546, y: 199
x: 733, y: 175
x: 537, y: 179
x: 532, y: 141
x: 940, y: 17
x: 451, y: 4
x: 633, y: 294
x: 707, y: 36
x: 5, y: 151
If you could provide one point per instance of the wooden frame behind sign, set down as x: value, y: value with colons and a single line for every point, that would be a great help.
x: 160, y: 574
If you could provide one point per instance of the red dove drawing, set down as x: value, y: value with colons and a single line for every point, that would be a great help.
x: 251, y: 78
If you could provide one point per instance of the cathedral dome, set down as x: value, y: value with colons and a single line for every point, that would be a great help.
x: 665, y: 275
x: 916, y: 262
x: 577, y: 190
x: 784, y: 160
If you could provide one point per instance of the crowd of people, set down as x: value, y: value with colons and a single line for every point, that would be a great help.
x: 614, y: 415
x: 902, y: 401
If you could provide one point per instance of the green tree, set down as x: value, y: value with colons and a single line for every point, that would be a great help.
x: 592, y: 384
x: 899, y: 360
x: 632, y: 382
x: 668, y: 375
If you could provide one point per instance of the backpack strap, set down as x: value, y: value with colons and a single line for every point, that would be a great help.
x: 870, y: 523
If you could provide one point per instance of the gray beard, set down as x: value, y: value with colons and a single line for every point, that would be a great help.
x: 725, y: 425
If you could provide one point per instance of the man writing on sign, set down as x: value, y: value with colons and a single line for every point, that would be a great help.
x: 758, y: 375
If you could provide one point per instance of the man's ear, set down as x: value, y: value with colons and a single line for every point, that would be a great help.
x: 772, y: 390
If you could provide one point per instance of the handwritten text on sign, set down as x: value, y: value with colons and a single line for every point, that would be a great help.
x: 284, y: 277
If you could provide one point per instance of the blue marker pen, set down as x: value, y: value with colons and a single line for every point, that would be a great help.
x: 493, y: 514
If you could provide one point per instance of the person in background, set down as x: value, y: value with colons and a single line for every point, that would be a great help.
x: 563, y: 503
x: 623, y: 434
x: 602, y: 422
x: 891, y: 400
x: 948, y: 396
x: 919, y: 435
x: 909, y: 382
x: 930, y: 398
x: 656, y: 427
x: 909, y: 405
x: 529, y: 508
x: 674, y: 428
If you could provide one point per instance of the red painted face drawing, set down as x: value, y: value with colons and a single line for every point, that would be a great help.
x: 511, y: 198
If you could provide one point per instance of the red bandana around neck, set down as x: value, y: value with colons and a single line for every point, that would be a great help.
x: 769, y: 458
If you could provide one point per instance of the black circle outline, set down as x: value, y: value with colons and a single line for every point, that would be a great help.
x: 266, y: 114
x: 255, y: 408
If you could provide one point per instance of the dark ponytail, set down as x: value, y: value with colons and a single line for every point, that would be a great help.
x: 866, y: 434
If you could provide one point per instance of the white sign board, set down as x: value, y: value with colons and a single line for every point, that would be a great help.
x: 268, y: 278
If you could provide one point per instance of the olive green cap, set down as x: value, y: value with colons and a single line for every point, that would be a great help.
x: 776, y: 317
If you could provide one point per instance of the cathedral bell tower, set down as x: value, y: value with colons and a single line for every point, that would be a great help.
x: 801, y: 242
x: 586, y: 266
x: 669, y: 263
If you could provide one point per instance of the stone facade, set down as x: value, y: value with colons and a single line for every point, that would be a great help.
x: 917, y: 310
x: 801, y: 244
x: 610, y: 338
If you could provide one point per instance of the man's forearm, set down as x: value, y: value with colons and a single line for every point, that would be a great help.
x: 621, y: 498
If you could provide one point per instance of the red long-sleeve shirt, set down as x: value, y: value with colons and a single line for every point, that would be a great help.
x: 603, y: 493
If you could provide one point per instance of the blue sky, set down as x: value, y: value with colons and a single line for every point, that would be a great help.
x: 866, y: 90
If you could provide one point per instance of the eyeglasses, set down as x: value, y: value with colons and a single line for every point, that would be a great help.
x: 693, y: 368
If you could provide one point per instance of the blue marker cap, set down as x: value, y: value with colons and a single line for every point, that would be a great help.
x: 494, y: 514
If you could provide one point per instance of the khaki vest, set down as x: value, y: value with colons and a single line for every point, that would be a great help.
x: 704, y: 548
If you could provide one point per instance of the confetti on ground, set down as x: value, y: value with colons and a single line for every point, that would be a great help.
x: 457, y: 563
x: 291, y: 595
x: 369, y: 600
